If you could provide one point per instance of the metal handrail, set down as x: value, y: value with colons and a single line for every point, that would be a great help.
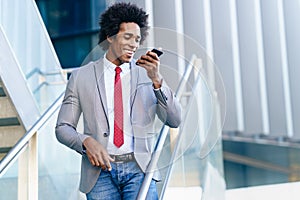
x: 50, y: 73
x: 38, y: 71
x: 21, y: 144
x: 162, y: 137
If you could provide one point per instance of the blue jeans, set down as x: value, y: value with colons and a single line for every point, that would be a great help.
x: 122, y: 182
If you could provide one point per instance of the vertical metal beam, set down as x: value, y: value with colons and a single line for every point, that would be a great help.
x: 209, y: 42
x: 180, y: 36
x: 261, y: 67
x: 285, y: 70
x: 208, y: 28
x: 149, y: 10
x: 236, y: 65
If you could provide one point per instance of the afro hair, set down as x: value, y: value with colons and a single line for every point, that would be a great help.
x: 118, y: 13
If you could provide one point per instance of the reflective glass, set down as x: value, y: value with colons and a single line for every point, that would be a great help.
x: 33, y: 50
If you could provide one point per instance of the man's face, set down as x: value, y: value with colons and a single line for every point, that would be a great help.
x: 124, y: 44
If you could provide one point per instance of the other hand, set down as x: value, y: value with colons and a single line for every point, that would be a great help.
x: 97, y: 154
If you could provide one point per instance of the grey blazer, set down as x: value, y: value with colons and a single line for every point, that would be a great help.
x: 85, y: 93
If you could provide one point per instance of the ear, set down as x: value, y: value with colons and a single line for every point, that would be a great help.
x: 109, y: 39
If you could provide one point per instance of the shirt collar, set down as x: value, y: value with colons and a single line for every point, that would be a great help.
x: 111, y: 66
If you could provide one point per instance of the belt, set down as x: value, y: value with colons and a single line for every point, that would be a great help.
x: 123, y: 158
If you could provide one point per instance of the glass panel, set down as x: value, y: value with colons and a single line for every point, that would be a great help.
x: 59, y: 169
x: 201, y: 176
x: 9, y: 182
x: 190, y: 171
x: 33, y: 49
x: 196, y: 165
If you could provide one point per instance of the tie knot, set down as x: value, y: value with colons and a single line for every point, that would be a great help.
x: 118, y: 70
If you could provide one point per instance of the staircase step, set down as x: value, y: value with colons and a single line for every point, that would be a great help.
x: 6, y: 108
x: 2, y: 93
x: 2, y: 155
x: 9, y: 135
x: 11, y: 121
x: 4, y: 151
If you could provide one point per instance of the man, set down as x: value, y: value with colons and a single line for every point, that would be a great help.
x: 119, y: 99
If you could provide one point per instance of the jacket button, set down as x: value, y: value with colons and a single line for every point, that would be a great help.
x: 105, y: 134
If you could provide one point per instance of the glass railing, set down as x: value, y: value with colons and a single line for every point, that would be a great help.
x: 195, y: 160
x: 190, y: 173
x: 193, y: 174
x: 33, y: 50
x: 190, y: 159
x: 57, y: 166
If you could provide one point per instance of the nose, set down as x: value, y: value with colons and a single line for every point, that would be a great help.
x: 133, y: 43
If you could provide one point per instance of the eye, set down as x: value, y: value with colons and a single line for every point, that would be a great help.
x: 127, y: 37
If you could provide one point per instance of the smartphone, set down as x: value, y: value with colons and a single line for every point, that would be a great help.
x: 158, y: 52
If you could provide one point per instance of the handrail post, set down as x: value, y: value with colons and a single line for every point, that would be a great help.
x: 28, y: 171
x: 23, y: 175
x: 33, y: 168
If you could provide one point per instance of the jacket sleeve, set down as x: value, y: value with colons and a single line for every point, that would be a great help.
x: 168, y: 106
x: 68, y: 117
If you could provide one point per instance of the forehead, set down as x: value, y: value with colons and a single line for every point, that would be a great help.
x: 130, y: 27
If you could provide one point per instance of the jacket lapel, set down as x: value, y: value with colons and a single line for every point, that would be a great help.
x: 99, y: 75
x: 134, y: 73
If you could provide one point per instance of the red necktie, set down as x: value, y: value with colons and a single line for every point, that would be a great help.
x: 118, y: 110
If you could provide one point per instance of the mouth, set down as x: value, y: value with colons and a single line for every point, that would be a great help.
x: 129, y: 52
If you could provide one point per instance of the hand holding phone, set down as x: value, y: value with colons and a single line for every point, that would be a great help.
x: 151, y: 64
x: 158, y: 53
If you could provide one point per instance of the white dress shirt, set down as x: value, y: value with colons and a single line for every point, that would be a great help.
x: 109, y: 79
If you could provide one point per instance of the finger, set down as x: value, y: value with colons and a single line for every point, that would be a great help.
x: 143, y: 65
x: 103, y: 167
x: 109, y: 159
x: 152, y: 55
x: 92, y: 162
x: 91, y: 158
x: 148, y: 57
x: 140, y: 62
x: 108, y: 166
x: 102, y: 163
x: 147, y: 64
x: 96, y: 162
